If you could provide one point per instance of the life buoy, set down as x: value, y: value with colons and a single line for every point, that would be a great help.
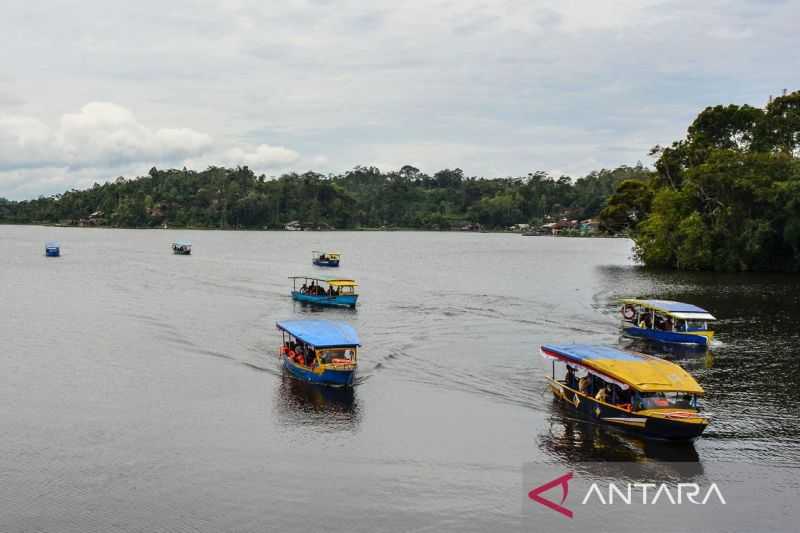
x: 628, y: 312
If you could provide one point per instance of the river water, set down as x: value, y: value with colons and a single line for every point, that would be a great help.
x: 141, y: 391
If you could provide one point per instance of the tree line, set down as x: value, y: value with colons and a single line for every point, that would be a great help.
x: 364, y: 197
x: 724, y: 198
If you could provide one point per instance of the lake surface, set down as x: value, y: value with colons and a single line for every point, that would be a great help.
x: 140, y: 391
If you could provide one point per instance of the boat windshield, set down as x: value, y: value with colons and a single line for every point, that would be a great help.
x: 696, y: 325
x: 662, y: 400
x: 337, y: 355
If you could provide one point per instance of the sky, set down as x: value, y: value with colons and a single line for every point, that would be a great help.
x: 91, y: 90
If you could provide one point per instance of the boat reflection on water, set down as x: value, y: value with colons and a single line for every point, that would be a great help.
x: 574, y: 440
x: 329, y: 408
x: 670, y: 352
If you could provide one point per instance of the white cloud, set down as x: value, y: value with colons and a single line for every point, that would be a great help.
x: 262, y: 156
x: 104, y: 140
x: 100, y: 135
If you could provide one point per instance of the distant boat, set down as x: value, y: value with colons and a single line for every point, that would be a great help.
x: 325, y: 259
x: 319, y: 351
x: 52, y: 249
x: 182, y: 248
x: 340, y: 292
x: 666, y: 321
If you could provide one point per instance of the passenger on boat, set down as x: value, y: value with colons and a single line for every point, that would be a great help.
x: 583, y: 385
x: 304, y: 288
x: 602, y: 394
x: 570, y: 378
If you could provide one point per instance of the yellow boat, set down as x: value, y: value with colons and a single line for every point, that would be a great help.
x: 632, y: 391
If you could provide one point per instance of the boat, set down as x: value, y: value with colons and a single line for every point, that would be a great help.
x: 666, y: 321
x: 182, y: 248
x: 340, y: 292
x: 319, y: 351
x: 52, y: 249
x: 325, y: 259
x: 643, y: 394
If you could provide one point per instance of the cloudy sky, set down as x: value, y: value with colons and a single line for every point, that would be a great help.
x: 91, y: 89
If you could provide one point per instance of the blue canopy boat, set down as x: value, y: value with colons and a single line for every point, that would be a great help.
x: 627, y: 390
x: 52, y: 249
x: 666, y: 321
x: 182, y: 248
x: 325, y: 259
x: 340, y: 292
x: 319, y: 351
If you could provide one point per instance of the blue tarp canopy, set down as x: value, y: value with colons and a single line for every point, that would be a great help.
x: 673, y: 307
x: 588, y: 352
x: 321, y: 333
x: 51, y: 244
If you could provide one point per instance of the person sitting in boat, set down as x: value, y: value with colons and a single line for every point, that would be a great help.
x: 583, y: 385
x: 300, y: 354
x: 304, y: 288
x: 570, y: 378
x: 602, y: 394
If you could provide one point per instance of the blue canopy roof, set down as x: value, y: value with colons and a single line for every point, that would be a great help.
x: 51, y: 244
x: 183, y: 243
x: 589, y: 352
x: 321, y: 333
x: 672, y: 306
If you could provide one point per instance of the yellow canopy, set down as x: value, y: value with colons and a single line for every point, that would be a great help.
x: 653, y: 375
x: 642, y: 372
x: 342, y: 282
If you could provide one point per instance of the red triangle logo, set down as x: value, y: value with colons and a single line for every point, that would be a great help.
x: 535, y: 494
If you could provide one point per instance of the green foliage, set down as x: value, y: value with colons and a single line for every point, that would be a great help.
x: 727, y: 197
x: 362, y: 197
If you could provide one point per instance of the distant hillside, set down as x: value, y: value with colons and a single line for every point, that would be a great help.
x: 362, y: 197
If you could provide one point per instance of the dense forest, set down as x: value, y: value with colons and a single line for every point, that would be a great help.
x: 725, y: 198
x: 363, y: 197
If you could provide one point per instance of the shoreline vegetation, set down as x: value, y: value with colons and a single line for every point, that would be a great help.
x: 724, y: 198
x: 363, y: 198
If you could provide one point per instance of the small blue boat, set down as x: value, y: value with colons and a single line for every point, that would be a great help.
x: 326, y: 291
x: 325, y: 259
x: 182, y: 248
x: 319, y: 351
x: 52, y: 249
x: 666, y: 321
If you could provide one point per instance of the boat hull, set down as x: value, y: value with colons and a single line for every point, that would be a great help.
x: 671, y: 337
x: 52, y: 252
x: 179, y: 252
x: 348, y: 300
x: 327, y: 376
x: 326, y: 262
x: 655, y: 427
